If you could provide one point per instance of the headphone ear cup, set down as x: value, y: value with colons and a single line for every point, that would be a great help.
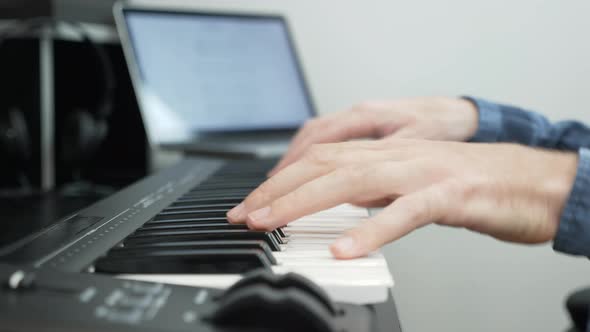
x: 15, y: 142
x: 78, y: 135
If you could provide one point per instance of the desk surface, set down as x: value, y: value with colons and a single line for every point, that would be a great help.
x: 25, y: 215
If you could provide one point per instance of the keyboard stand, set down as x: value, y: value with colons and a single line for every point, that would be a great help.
x: 387, y: 316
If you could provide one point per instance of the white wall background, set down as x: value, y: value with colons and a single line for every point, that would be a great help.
x: 533, y: 53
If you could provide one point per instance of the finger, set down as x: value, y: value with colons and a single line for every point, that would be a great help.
x: 373, y: 204
x: 343, y: 185
x: 295, y: 143
x: 347, y: 125
x: 286, y: 180
x: 319, y: 161
x: 406, y: 132
x: 309, y: 126
x: 404, y: 215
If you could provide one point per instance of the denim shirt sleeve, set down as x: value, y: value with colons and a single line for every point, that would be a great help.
x: 502, y: 123
x: 573, y: 234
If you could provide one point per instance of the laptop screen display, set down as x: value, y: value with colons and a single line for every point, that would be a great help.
x: 210, y: 73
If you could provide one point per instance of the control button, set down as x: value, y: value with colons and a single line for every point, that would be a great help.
x: 119, y: 316
x: 21, y: 280
x: 139, y: 302
x: 87, y: 295
x: 201, y: 297
x: 130, y: 317
x: 114, y: 298
x: 162, y: 299
x: 101, y: 312
x: 189, y: 317
x: 15, y: 279
x: 144, y: 288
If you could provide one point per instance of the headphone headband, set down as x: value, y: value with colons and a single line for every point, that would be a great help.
x: 104, y: 107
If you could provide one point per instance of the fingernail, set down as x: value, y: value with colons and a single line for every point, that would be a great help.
x: 237, y: 212
x: 260, y: 216
x: 346, y: 246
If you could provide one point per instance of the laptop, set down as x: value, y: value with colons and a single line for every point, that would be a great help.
x: 214, y: 82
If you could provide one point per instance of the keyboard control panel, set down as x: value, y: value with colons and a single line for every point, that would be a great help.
x: 48, y: 300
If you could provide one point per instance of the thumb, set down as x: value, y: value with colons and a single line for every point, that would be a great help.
x: 401, y: 217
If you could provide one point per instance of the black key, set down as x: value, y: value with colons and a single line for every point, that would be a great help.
x: 220, y: 220
x: 242, y: 171
x: 224, y: 186
x: 197, y: 225
x: 217, y: 193
x: 258, y: 166
x: 194, y: 214
x: 221, y: 206
x: 184, y: 226
x: 233, y: 182
x: 224, y: 189
x: 220, y: 224
x: 189, y: 261
x: 278, y: 238
x: 280, y: 232
x: 138, y: 249
x: 211, y: 197
x: 227, y: 200
x: 194, y: 235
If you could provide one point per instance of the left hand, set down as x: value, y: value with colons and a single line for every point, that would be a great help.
x: 510, y: 192
x: 434, y: 118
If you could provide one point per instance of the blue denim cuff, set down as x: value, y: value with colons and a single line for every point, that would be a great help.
x: 573, y: 234
x: 489, y: 121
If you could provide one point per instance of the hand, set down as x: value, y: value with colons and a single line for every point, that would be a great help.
x: 511, y: 192
x: 439, y: 118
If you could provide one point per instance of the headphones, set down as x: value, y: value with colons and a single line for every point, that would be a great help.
x: 14, y: 138
x: 83, y: 130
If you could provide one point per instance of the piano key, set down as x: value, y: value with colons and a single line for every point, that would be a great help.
x: 197, y: 192
x: 206, y: 223
x: 322, y: 223
x: 280, y: 240
x: 247, y: 244
x: 196, y: 206
x: 181, y: 220
x: 185, y: 261
x: 228, y: 182
x: 193, y: 225
x: 194, y: 214
x: 226, y: 200
x: 259, y: 167
x: 281, y: 232
x: 234, y: 195
x: 312, y: 236
x: 193, y: 235
x: 225, y: 186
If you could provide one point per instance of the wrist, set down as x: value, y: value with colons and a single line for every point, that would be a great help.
x: 557, y: 185
x: 464, y: 116
x: 489, y: 125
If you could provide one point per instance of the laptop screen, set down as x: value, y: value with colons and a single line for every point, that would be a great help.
x: 201, y: 73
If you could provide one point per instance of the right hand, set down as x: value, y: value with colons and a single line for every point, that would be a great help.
x: 434, y: 118
x: 511, y: 192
